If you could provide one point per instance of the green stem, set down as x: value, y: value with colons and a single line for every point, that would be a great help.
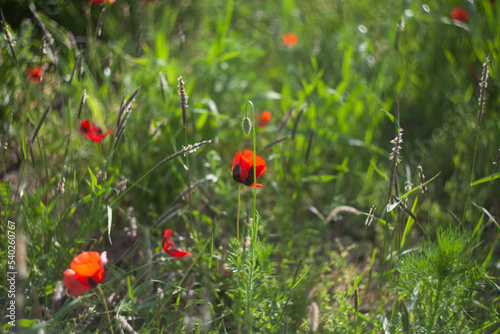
x: 254, y: 160
x: 471, y: 178
x: 106, y: 308
x: 253, y: 227
x: 238, y: 218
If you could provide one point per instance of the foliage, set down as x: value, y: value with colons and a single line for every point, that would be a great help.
x: 315, y: 255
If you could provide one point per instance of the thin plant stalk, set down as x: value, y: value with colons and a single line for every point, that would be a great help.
x: 253, y: 229
x: 238, y: 217
x: 106, y: 308
x: 254, y: 159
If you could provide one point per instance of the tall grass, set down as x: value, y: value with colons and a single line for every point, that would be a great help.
x: 304, y: 261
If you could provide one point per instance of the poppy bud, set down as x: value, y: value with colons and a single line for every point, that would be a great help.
x: 246, y: 125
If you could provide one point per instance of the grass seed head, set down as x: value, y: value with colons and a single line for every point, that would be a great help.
x: 184, y: 101
x: 394, y: 157
x: 483, y: 84
x: 313, y: 319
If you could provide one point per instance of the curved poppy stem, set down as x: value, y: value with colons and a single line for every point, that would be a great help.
x: 106, y: 308
x: 238, y: 217
x: 254, y: 159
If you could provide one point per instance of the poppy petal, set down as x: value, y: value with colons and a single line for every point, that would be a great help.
x: 174, y: 252
x: 245, y: 164
x: 236, y: 173
x: 243, y: 168
x: 86, y: 264
x: 85, y: 127
x: 74, y: 285
x: 167, y: 242
x: 97, y: 277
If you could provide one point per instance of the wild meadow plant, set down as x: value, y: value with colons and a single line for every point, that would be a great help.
x: 99, y: 155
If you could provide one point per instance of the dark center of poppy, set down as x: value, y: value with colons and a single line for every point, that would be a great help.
x: 85, y: 130
x: 237, y: 177
x: 236, y: 173
x: 249, y: 179
x: 92, y: 281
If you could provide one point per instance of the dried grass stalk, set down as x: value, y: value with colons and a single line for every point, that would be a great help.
x: 184, y: 101
x: 309, y: 145
x: 422, y: 178
x: 279, y: 140
x: 98, y: 30
x: 47, y: 34
x: 297, y: 119
x: 313, y: 317
x: 395, y: 159
x: 483, y: 84
x: 82, y: 102
x: 343, y: 208
x: 455, y: 218
x: 287, y: 117
x: 8, y: 37
x: 371, y: 213
x: 497, y: 162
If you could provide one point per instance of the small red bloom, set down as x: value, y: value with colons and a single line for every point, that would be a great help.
x: 93, y: 131
x: 87, y: 270
x: 459, y: 14
x: 263, y: 118
x: 290, y: 39
x: 169, y: 246
x: 35, y: 75
x: 243, y: 168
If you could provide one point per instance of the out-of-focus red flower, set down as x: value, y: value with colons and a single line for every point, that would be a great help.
x: 243, y: 168
x: 459, y: 14
x: 87, y: 270
x: 290, y: 39
x: 93, y: 132
x: 103, y: 1
x: 169, y: 246
x: 35, y: 75
x: 263, y: 118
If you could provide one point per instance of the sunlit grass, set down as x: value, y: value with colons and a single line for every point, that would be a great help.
x: 304, y: 252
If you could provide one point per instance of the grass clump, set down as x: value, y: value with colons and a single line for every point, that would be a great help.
x: 439, y: 283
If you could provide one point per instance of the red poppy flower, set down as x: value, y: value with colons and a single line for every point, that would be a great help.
x: 93, y: 131
x: 290, y: 39
x: 243, y: 168
x: 263, y: 118
x: 459, y: 14
x: 169, y: 246
x: 35, y: 75
x: 87, y: 270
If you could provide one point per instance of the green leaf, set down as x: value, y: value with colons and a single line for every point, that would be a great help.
x: 301, y: 277
x: 319, y: 178
x: 110, y: 221
x: 486, y: 179
x: 129, y: 288
x: 487, y: 213
x: 420, y: 186
x: 409, y: 223
x: 270, y: 95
